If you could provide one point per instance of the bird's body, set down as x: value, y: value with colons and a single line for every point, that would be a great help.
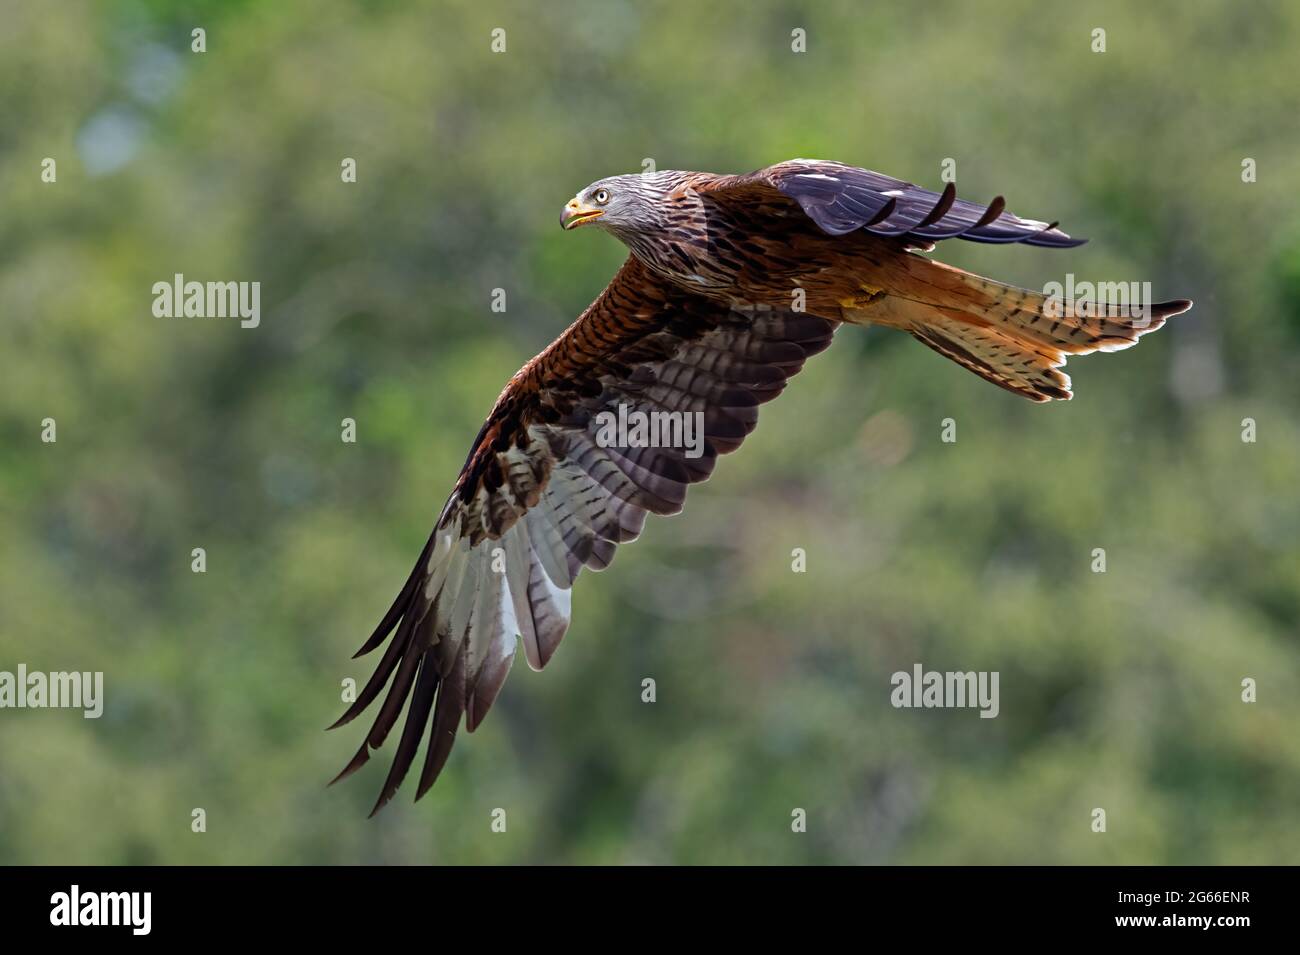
x: 718, y: 239
x: 732, y: 283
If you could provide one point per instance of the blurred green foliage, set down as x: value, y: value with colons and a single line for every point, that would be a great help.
x: 1119, y: 690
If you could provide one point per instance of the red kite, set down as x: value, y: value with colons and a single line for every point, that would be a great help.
x: 732, y: 283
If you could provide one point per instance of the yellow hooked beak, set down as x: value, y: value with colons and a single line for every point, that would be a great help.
x: 578, y: 213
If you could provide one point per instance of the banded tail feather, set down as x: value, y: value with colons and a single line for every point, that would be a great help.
x: 1013, y: 337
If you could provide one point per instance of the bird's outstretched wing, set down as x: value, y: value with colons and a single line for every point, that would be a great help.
x: 843, y: 199
x: 540, y: 498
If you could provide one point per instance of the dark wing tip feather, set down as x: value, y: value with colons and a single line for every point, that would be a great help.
x: 994, y: 210
x: 885, y: 212
x: 1053, y: 238
x: 343, y: 720
x: 417, y: 717
x: 400, y: 604
x: 941, y: 207
x: 446, y: 720
x: 360, y: 759
x: 842, y: 199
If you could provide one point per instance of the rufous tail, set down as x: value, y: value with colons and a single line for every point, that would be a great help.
x: 1013, y: 337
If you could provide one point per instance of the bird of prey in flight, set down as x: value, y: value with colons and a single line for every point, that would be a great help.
x: 732, y: 283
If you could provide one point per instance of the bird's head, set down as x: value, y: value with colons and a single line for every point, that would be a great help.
x: 624, y: 205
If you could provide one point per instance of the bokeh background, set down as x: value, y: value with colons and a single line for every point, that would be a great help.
x: 1118, y: 690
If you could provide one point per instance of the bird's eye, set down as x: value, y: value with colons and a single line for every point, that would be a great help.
x: 601, y: 196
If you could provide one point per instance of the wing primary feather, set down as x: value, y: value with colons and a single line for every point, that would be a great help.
x: 990, y: 214
x: 392, y: 656
x: 399, y: 605
x: 940, y: 208
x: 417, y: 717
x: 446, y: 720
x: 885, y: 212
x: 397, y: 694
x: 360, y: 759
